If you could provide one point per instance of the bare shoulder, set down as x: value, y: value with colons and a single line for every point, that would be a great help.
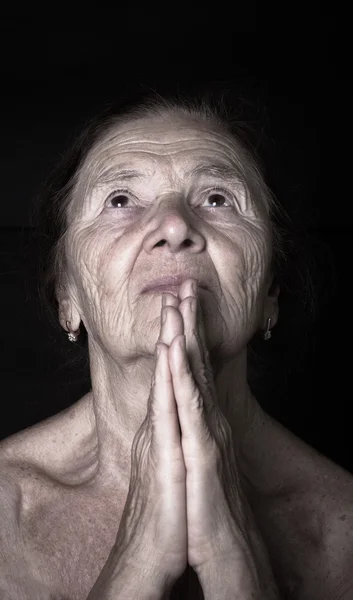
x: 55, y: 531
x: 28, y: 460
x: 54, y: 445
x: 314, y: 517
x: 17, y: 577
x: 334, y: 505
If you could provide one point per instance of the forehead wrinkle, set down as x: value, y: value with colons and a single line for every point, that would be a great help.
x: 152, y: 127
x: 144, y: 135
x: 116, y: 174
x: 230, y: 167
x: 123, y: 143
x: 172, y: 148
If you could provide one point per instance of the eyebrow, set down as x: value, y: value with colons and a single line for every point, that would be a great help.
x: 225, y: 172
x: 113, y: 174
x: 116, y: 175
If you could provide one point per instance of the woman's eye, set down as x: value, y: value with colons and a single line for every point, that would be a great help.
x: 217, y: 199
x: 118, y: 199
x: 214, y: 199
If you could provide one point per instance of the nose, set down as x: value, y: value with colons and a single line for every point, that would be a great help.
x: 174, y: 229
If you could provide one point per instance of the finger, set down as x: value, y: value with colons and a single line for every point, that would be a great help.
x: 186, y: 288
x: 189, y: 289
x: 173, y: 324
x: 168, y: 299
x: 164, y: 414
x: 163, y: 409
x: 189, y: 400
x: 188, y: 310
x: 197, y: 351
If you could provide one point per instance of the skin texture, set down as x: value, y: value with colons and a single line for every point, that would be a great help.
x: 74, y: 468
x: 165, y: 224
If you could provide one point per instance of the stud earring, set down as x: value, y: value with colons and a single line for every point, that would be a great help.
x: 72, y: 335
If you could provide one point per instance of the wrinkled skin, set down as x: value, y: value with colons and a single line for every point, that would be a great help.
x: 165, y: 224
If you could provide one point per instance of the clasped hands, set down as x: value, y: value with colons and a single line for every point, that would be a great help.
x: 222, y: 534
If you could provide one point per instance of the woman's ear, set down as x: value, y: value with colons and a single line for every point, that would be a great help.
x: 67, y: 309
x: 271, y: 305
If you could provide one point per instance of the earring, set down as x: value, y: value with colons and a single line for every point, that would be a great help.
x: 72, y: 335
x: 268, y: 333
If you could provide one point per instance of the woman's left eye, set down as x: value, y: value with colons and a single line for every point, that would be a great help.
x: 118, y: 199
x: 218, y: 197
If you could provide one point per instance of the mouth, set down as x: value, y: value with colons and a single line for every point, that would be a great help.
x: 172, y: 289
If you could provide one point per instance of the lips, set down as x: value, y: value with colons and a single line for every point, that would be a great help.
x: 173, y: 289
x: 171, y: 282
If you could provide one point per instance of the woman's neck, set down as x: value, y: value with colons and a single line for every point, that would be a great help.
x: 119, y: 399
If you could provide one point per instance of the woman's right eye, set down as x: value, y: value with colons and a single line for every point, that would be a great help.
x: 118, y: 199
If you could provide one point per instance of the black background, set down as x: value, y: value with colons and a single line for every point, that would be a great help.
x: 54, y: 78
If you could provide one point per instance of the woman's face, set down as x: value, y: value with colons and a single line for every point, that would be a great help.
x: 156, y: 198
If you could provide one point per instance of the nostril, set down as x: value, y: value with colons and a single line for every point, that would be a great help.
x: 187, y: 243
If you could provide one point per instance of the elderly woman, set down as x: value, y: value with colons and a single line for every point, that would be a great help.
x: 162, y: 247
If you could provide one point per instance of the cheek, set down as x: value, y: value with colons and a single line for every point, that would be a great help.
x: 92, y: 263
x: 84, y: 254
x: 102, y: 267
x: 245, y: 271
x: 256, y: 258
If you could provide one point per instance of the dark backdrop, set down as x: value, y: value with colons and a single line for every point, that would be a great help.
x: 299, y: 90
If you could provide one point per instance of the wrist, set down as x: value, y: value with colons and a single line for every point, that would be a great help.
x: 228, y: 580
x: 125, y: 577
x: 140, y: 579
x: 222, y: 583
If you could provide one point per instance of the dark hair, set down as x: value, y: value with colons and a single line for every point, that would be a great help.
x: 291, y: 267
